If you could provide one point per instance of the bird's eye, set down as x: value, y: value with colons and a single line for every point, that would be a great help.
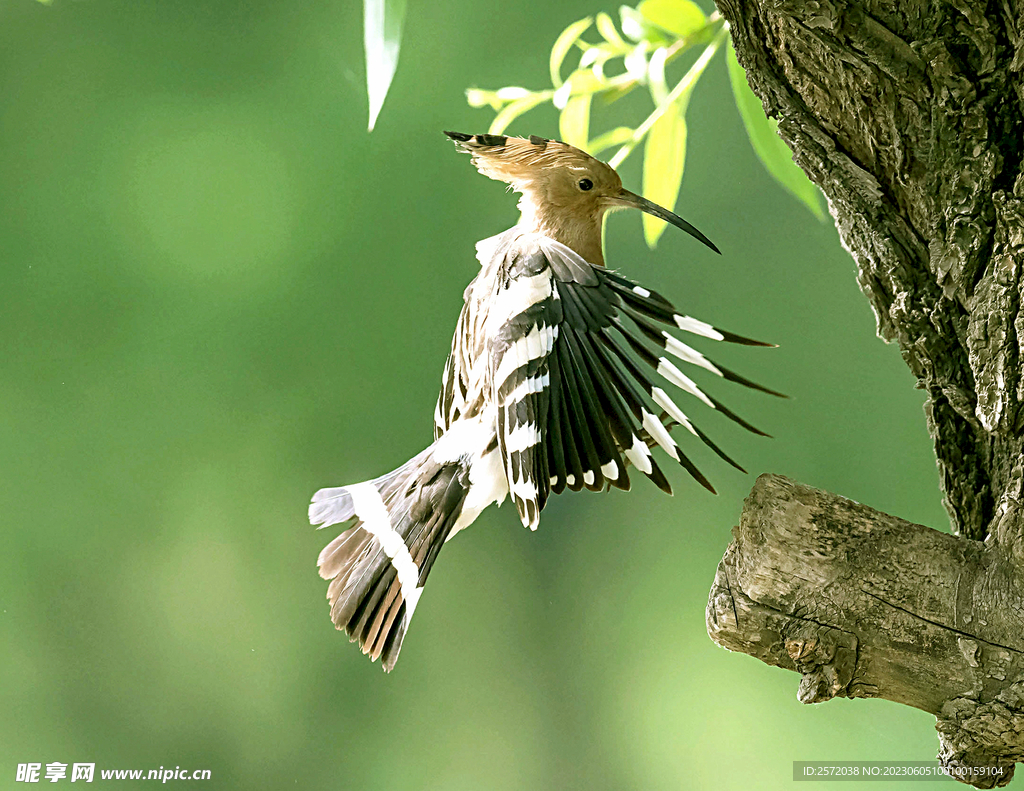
x: 586, y: 185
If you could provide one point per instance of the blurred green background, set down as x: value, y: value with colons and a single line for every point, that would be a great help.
x: 220, y: 294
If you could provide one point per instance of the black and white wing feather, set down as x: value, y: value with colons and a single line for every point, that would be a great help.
x: 451, y: 401
x: 575, y: 403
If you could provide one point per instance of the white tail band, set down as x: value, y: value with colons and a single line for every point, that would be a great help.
x: 371, y: 510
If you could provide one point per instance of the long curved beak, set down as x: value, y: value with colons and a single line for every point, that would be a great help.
x: 627, y: 199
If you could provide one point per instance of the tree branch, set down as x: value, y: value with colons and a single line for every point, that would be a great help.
x: 865, y: 605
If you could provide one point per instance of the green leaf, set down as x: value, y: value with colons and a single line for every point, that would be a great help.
x: 638, y: 28
x: 636, y: 62
x: 610, y: 139
x: 656, y: 75
x: 773, y: 152
x: 606, y: 28
x: 512, y: 93
x: 513, y: 110
x: 632, y: 23
x: 591, y: 56
x: 612, y: 95
x: 478, y: 98
x: 584, y: 81
x: 664, y: 161
x: 579, y: 82
x: 679, y: 17
x: 382, y: 34
x: 574, y: 122
x: 563, y: 44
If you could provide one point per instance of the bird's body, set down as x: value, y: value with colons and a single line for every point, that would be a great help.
x: 538, y: 394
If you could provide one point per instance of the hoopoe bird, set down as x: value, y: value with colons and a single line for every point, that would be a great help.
x: 546, y: 388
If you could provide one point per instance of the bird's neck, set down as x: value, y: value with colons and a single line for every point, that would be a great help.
x: 582, y: 234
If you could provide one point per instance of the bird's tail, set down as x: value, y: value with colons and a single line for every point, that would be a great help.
x: 378, y: 567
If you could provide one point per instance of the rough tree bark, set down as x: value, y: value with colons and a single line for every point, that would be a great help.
x: 910, y: 117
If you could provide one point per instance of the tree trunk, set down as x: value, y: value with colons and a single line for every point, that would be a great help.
x: 910, y: 117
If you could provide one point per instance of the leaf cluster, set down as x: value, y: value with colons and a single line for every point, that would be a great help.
x: 637, y: 53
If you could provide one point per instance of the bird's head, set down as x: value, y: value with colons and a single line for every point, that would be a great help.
x: 566, y: 192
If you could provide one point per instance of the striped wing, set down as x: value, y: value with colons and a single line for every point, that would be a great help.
x: 576, y: 401
x: 468, y: 343
x: 452, y: 398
